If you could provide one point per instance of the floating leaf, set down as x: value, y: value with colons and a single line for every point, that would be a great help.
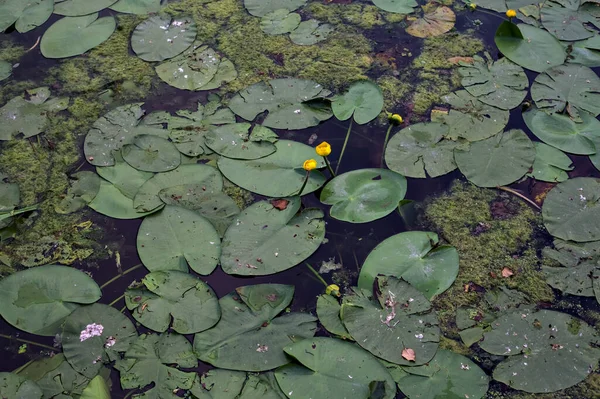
x: 37, y: 300
x: 571, y: 210
x: 176, y: 238
x: 151, y: 154
x: 241, y: 141
x: 218, y: 383
x: 568, y: 20
x: 83, y: 190
x: 416, y: 257
x: 72, y: 36
x: 260, y: 8
x: 55, y: 376
x: 5, y: 70
x: 290, y: 103
x: 333, y: 368
x: 73, y: 8
x: 261, y: 386
x: 139, y: 7
x: 397, y: 6
x: 550, y: 164
x: 18, y: 387
x: 420, y: 150
x: 433, y: 23
x: 584, y: 52
x: 113, y: 203
x: 547, y: 351
x: 26, y: 15
x: 575, y: 280
x: 161, y: 37
x: 9, y: 195
x: 364, y: 195
x: 96, y: 389
x: 248, y: 337
x: 497, y: 161
x: 310, y: 32
x: 279, y: 22
x: 529, y: 47
x: 363, y: 100
x: 571, y: 254
x: 399, y: 318
x: 266, y: 240
x: 328, y: 312
x: 277, y: 175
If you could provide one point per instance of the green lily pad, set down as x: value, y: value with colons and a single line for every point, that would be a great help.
x: 568, y: 20
x: 248, y: 336
x: 575, y: 280
x: 470, y: 118
x: 416, y: 257
x: 277, y: 175
x: 260, y: 8
x: 73, y: 8
x: 150, y: 359
x: 528, y: 46
x: 279, y: 22
x: 551, y: 164
x: 71, y: 36
x: 94, y: 335
x: 584, y: 52
x: 310, y: 32
x: 547, y: 351
x: 447, y: 375
x: 596, y: 283
x: 5, y: 70
x: 497, y: 161
x: 38, y: 300
x: 420, y: 150
x: 10, y: 195
x: 363, y: 100
x: 110, y: 201
x: 218, y: 383
x: 290, y: 103
x: 123, y: 176
x: 433, y: 23
x: 175, y: 238
x: 241, y: 141
x: 573, y: 88
x: 571, y: 210
x: 397, y: 6
x: 14, y: 386
x: 83, y: 190
x: 26, y: 15
x: 147, y: 198
x: 399, y: 318
x: 333, y: 368
x: 571, y: 254
x: 563, y: 132
x: 364, y: 195
x: 328, y: 312
x: 501, y: 84
x: 266, y: 240
x: 139, y: 7
x: 55, y: 376
x: 151, y: 154
x: 161, y: 37
x: 167, y: 296
x: 96, y: 389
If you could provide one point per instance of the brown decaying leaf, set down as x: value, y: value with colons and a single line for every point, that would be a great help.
x: 506, y: 272
x: 434, y: 23
x: 280, y: 204
x: 408, y: 354
x: 456, y: 60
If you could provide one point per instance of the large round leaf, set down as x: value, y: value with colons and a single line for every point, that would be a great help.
x: 94, y: 335
x: 277, y: 175
x: 364, y: 195
x: 528, y: 46
x: 73, y: 8
x: 72, y: 36
x: 123, y: 176
x: 267, y: 240
x: 572, y: 88
x: 37, y: 300
x: 568, y: 20
x: 151, y: 154
x: 249, y: 337
x: 260, y: 8
x: 310, y: 32
x: 433, y: 23
x: 113, y: 203
x: 13, y: 386
x: 416, y: 257
x: 547, y: 351
x: 550, y: 164
x: 171, y: 295
x: 140, y: 7
x: 279, y: 22
x: 420, y: 150
x: 399, y: 318
x: 241, y: 141
x: 447, y: 375
x: 363, y: 99
x: 26, y: 15
x: 288, y: 102
x: 333, y: 368
x: 571, y: 210
x: 175, y: 237
x: 161, y: 37
x: 499, y: 160
x: 398, y: 6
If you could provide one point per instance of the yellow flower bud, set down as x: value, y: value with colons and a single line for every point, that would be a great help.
x: 511, y: 13
x: 333, y: 289
x: 309, y: 164
x: 472, y: 6
x: 396, y: 119
x: 323, y: 149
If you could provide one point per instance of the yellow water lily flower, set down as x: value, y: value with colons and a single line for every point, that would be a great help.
x: 472, y: 6
x: 309, y: 165
x: 323, y: 149
x: 511, y: 13
x: 395, y: 118
x: 333, y: 289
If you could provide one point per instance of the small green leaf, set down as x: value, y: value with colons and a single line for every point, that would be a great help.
x: 363, y: 100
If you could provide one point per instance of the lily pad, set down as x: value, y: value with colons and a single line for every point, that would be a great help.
x: 399, y: 318
x: 568, y: 20
x: 218, y: 383
x: 571, y: 210
x: 150, y: 360
x: 331, y: 367
x: 416, y: 257
x: 397, y: 6
x: 290, y: 103
x: 571, y: 254
x: 95, y: 334
x: 110, y: 201
x: 267, y: 240
x: 151, y: 154
x: 277, y: 175
x: 139, y: 7
x: 310, y: 32
x: 420, y: 150
x: 176, y: 238
x: 575, y: 280
x: 55, y: 376
x: 73, y: 8
x: 38, y: 300
x: 96, y: 389
x: 364, y: 195
x: 573, y: 88
x: 123, y: 176
x: 528, y: 46
x: 363, y: 100
x: 161, y: 37
x: 547, y: 351
x: 14, y: 386
x: 25, y: 15
x: 260, y: 8
x: 167, y: 296
x: 447, y: 375
x: 241, y: 141
x: 72, y: 36
x: 279, y: 22
x: 248, y: 336
x: 433, y: 23
x: 501, y: 84
x: 83, y: 190
x: 328, y: 312
x: 497, y: 161
x: 5, y: 70
x: 551, y: 164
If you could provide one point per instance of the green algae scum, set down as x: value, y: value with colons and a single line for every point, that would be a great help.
x: 249, y: 199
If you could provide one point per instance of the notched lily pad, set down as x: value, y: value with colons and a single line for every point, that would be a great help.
x: 26, y: 15
x: 569, y: 20
x: 151, y: 154
x: 83, y: 190
x: 241, y: 141
x: 363, y: 100
x: 551, y: 164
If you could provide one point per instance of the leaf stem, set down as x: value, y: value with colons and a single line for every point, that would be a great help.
x: 317, y: 275
x: 116, y: 300
x: 304, y: 184
x: 26, y: 341
x: 329, y: 167
x: 344, y: 147
x: 387, y: 137
x: 118, y: 276
x: 518, y: 194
